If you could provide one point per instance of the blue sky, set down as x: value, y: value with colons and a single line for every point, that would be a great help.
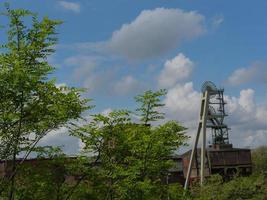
x: 117, y: 49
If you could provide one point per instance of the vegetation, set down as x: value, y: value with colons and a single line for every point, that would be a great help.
x: 124, y: 158
x: 259, y: 157
x: 253, y: 187
x: 31, y: 104
x: 131, y: 156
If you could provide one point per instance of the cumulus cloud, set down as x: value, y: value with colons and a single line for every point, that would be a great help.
x: 177, y: 69
x: 100, y: 81
x: 247, y: 118
x: 83, y: 65
x: 246, y: 100
x: 61, y: 138
x: 106, y: 111
x: 256, y: 72
x: 71, y: 6
x: 152, y: 33
x: 86, y: 70
x: 59, y: 85
x: 94, y: 76
x: 155, y: 32
x: 126, y: 85
x: 182, y: 102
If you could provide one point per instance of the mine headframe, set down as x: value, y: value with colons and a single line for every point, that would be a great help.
x: 216, y: 114
x: 212, y: 114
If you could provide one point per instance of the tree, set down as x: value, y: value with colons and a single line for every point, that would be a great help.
x: 253, y: 188
x: 44, y: 176
x: 259, y: 160
x: 130, y: 159
x: 149, y: 105
x: 31, y: 105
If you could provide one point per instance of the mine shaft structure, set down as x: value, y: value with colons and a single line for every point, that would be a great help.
x: 212, y: 115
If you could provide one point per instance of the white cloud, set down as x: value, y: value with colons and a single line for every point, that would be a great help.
x: 83, y: 65
x: 247, y: 118
x: 59, y: 85
x: 178, y: 69
x: 255, y: 72
x: 182, y: 103
x: 246, y: 100
x: 106, y: 111
x: 100, y: 81
x: 91, y: 73
x: 152, y: 33
x: 60, y: 137
x: 81, y: 145
x: 86, y: 70
x: 242, y: 75
x: 155, y: 32
x: 94, y: 77
x: 126, y: 85
x: 217, y: 20
x: 74, y: 7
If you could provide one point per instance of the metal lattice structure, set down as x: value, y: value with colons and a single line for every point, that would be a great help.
x: 212, y: 114
x: 216, y: 115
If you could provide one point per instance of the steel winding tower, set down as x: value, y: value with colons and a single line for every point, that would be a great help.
x: 212, y: 114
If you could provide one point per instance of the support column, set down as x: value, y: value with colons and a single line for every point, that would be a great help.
x: 203, y: 147
x: 201, y: 126
x: 192, y: 157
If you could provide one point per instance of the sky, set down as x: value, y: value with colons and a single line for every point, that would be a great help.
x: 118, y: 49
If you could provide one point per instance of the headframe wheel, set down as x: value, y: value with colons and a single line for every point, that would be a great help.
x: 208, y: 85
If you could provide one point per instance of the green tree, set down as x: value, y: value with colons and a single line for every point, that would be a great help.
x: 131, y: 157
x: 31, y: 105
x: 212, y: 190
x: 49, y: 176
x: 43, y: 177
x: 240, y: 188
x: 259, y: 160
x: 150, y: 105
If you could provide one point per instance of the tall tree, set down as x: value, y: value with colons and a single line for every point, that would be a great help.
x: 150, y: 105
x: 31, y: 105
x: 131, y: 158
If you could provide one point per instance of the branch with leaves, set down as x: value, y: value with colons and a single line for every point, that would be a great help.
x: 31, y: 104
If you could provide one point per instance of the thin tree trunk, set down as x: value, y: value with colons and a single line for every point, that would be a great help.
x: 15, y: 151
x: 12, y: 187
x: 17, y: 136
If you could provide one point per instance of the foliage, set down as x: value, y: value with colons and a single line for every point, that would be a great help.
x: 124, y: 160
x: 42, y: 178
x: 132, y: 158
x: 253, y: 187
x: 259, y: 160
x: 149, y: 105
x: 31, y: 105
x: 177, y: 192
x: 240, y: 188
